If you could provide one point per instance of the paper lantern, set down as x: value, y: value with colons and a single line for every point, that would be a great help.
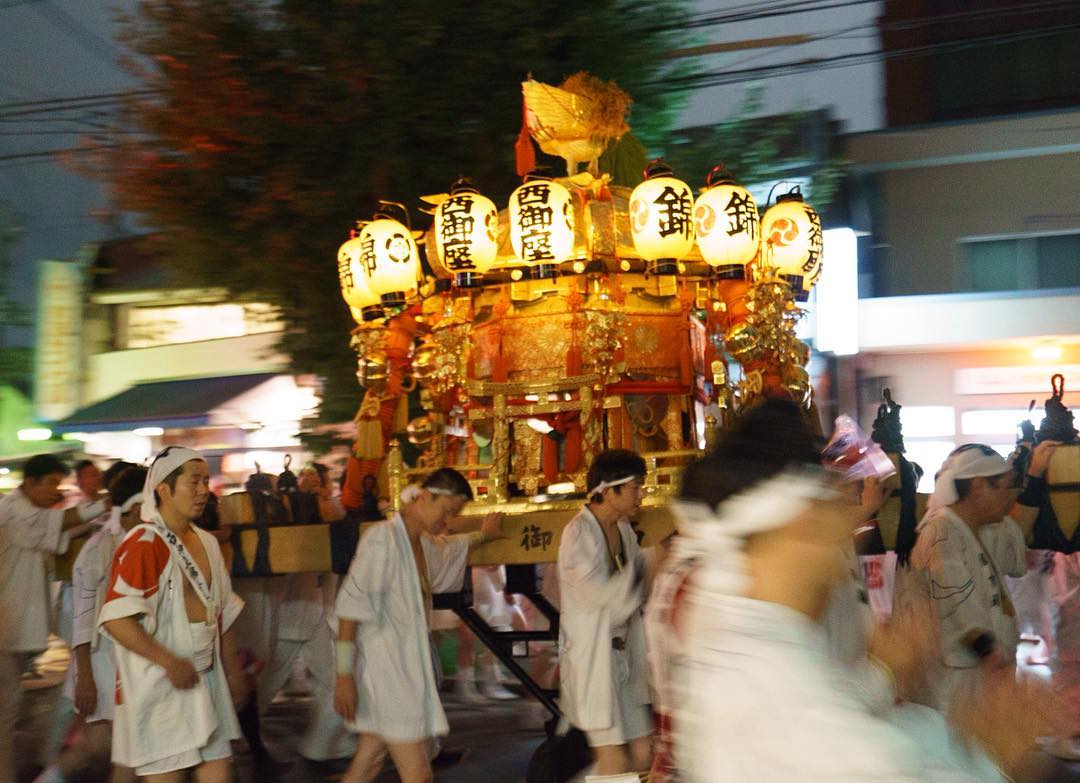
x: 727, y: 225
x: 389, y: 259
x: 363, y: 303
x: 541, y: 224
x: 791, y: 236
x: 466, y: 233
x: 661, y: 218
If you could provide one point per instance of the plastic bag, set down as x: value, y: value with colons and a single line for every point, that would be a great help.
x: 851, y: 453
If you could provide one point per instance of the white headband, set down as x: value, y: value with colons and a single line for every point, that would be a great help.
x: 412, y: 492
x: 718, y: 536
x: 165, y: 463
x: 609, y: 484
x: 964, y: 463
x: 130, y: 503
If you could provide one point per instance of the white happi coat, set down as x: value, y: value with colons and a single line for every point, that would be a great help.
x: 761, y: 699
x: 152, y: 719
x: 949, y: 567
x: 596, y: 604
x: 89, y: 582
x: 28, y: 536
x: 395, y: 674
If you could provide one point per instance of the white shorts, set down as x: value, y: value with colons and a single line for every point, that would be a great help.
x: 214, y: 749
x: 631, y: 720
x: 217, y: 746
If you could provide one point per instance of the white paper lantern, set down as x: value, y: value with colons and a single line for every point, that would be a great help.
x: 363, y: 303
x: 661, y: 217
x: 389, y: 260
x: 466, y: 233
x: 541, y: 223
x: 792, y: 240
x: 727, y: 225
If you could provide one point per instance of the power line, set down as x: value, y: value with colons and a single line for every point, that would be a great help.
x: 53, y: 105
x: 50, y: 153
x: 75, y: 98
x: 734, y: 76
x: 766, y: 11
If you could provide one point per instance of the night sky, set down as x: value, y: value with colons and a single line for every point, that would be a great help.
x: 55, y: 49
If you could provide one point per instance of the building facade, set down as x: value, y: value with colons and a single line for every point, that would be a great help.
x: 129, y: 362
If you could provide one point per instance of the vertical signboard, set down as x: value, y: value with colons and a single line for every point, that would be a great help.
x: 58, y: 348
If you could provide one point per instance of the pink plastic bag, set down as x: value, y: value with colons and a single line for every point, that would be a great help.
x: 851, y: 453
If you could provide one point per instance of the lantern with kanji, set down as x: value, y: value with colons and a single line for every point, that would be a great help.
x: 355, y: 290
x: 388, y: 256
x: 661, y: 218
x: 541, y: 215
x: 727, y: 225
x: 791, y: 241
x: 466, y: 234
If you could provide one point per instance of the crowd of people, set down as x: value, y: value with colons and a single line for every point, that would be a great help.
x: 743, y: 647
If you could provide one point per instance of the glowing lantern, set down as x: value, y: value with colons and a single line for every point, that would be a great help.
x: 661, y: 218
x: 791, y: 233
x: 388, y: 256
x: 466, y: 233
x: 541, y: 224
x: 727, y: 225
x: 354, y: 285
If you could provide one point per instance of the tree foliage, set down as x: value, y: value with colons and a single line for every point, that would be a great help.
x: 757, y: 149
x: 269, y: 127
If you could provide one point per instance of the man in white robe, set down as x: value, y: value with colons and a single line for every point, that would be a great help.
x: 966, y: 544
x: 304, y: 634
x: 31, y: 531
x: 292, y: 625
x: 758, y: 695
x: 170, y: 609
x: 90, y: 685
x: 386, y: 680
x: 604, y: 671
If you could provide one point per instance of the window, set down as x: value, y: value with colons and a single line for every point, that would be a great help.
x: 928, y: 421
x: 1024, y: 263
x: 1058, y: 260
x: 997, y: 421
x: 993, y: 266
x: 928, y: 455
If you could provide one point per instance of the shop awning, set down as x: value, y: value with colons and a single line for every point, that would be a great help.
x: 165, y: 404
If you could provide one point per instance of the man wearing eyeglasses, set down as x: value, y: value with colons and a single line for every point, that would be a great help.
x: 973, y: 534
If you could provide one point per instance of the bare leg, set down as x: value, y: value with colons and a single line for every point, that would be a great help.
x: 611, y: 759
x: 216, y: 771
x: 368, y: 761
x: 177, y: 776
x: 640, y: 750
x: 411, y: 760
x: 465, y: 651
x: 122, y: 775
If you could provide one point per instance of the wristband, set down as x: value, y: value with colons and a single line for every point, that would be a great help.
x: 1034, y: 492
x: 92, y: 511
x: 477, y: 537
x: 345, y: 656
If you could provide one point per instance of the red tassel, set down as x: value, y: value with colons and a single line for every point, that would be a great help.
x: 524, y: 152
